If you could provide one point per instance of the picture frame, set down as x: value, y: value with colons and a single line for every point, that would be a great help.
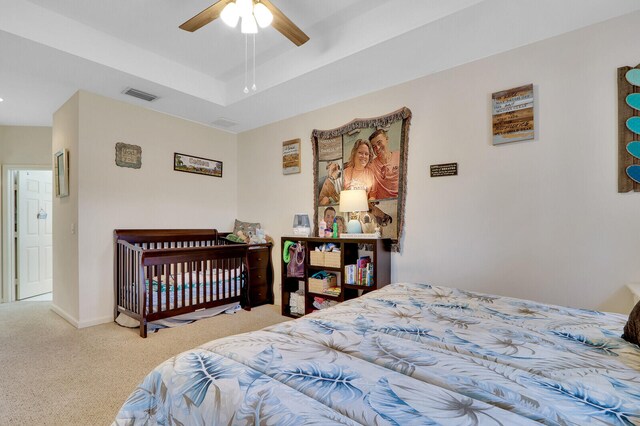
x: 61, y: 178
x: 291, y: 157
x: 197, y: 165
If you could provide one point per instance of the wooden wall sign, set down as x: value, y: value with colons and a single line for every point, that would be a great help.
x: 291, y: 157
x: 447, y: 169
x: 629, y: 129
x: 513, y: 115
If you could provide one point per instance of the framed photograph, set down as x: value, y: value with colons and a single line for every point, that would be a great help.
x: 291, y: 157
x: 197, y: 165
x: 61, y: 164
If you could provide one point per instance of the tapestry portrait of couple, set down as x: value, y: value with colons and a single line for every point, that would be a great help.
x: 369, y: 154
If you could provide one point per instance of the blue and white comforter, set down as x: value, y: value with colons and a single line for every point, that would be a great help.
x: 409, y: 354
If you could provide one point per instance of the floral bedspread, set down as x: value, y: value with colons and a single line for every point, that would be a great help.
x: 409, y: 354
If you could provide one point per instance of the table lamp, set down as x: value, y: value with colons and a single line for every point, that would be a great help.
x: 353, y: 201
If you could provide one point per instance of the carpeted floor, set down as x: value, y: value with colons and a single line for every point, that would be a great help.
x: 53, y: 374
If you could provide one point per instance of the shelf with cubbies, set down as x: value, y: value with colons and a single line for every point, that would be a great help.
x: 331, y: 270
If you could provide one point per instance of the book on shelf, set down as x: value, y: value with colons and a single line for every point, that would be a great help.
x: 361, y: 273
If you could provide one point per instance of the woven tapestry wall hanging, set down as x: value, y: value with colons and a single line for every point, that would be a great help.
x: 369, y: 154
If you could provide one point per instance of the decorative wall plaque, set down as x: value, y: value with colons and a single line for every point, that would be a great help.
x: 128, y: 155
x: 448, y: 169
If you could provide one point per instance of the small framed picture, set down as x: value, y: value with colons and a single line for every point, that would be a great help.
x: 61, y: 164
x: 291, y: 157
x: 197, y: 165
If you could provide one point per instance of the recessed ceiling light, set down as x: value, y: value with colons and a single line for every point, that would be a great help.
x: 1, y: 99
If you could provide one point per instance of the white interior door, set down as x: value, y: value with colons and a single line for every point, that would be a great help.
x: 34, y: 233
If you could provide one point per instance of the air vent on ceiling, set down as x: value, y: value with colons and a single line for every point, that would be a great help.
x: 140, y: 94
x: 224, y: 122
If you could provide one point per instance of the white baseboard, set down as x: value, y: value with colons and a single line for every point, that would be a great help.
x: 95, y: 321
x: 80, y: 324
x: 71, y: 320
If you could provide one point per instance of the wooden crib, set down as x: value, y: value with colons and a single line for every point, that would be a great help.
x: 167, y: 272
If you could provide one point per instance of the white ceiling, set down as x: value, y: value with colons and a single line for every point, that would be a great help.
x: 50, y: 49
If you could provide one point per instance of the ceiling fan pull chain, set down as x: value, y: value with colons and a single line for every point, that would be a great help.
x: 246, y: 63
x: 254, y: 88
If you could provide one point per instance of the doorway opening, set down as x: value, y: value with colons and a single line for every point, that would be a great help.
x: 27, y: 246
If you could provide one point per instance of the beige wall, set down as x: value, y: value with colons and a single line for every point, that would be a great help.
x: 65, y: 215
x: 23, y: 145
x: 539, y: 219
x: 154, y: 196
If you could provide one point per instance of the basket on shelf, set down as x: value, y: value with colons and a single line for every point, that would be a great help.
x: 316, y: 258
x: 332, y: 259
x: 319, y: 285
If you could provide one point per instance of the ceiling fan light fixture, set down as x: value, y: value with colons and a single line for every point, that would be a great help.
x: 230, y: 15
x: 245, y: 8
x: 249, y: 25
x: 263, y: 15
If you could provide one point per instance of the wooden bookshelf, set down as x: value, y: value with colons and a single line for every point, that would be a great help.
x: 351, y: 249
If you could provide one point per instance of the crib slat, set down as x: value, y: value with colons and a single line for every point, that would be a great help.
x: 235, y: 276
x: 182, y: 281
x: 149, y: 285
x: 197, y: 282
x: 136, y: 282
x: 190, y: 283
x: 212, y: 295
x: 172, y: 280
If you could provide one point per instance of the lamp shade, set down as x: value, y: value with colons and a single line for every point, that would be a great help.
x: 353, y: 200
x: 230, y: 15
x: 263, y: 15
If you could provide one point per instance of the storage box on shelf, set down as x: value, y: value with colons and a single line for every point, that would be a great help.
x: 350, y: 251
x: 320, y: 285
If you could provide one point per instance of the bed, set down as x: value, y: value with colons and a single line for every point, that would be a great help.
x: 160, y: 274
x: 403, y: 355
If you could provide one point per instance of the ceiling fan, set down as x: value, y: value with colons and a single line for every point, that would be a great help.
x: 280, y: 21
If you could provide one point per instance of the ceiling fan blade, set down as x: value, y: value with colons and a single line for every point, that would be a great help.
x: 285, y: 26
x: 204, y: 17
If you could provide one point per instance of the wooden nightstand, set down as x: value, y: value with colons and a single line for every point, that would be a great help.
x: 260, y: 274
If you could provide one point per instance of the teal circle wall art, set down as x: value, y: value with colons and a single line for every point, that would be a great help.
x: 633, y: 76
x: 633, y: 148
x: 634, y: 172
x: 633, y: 100
x: 633, y: 124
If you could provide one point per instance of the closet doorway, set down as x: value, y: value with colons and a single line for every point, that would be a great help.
x: 27, y: 233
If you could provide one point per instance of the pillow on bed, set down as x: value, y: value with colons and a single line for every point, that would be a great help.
x: 632, y: 328
x: 247, y: 228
